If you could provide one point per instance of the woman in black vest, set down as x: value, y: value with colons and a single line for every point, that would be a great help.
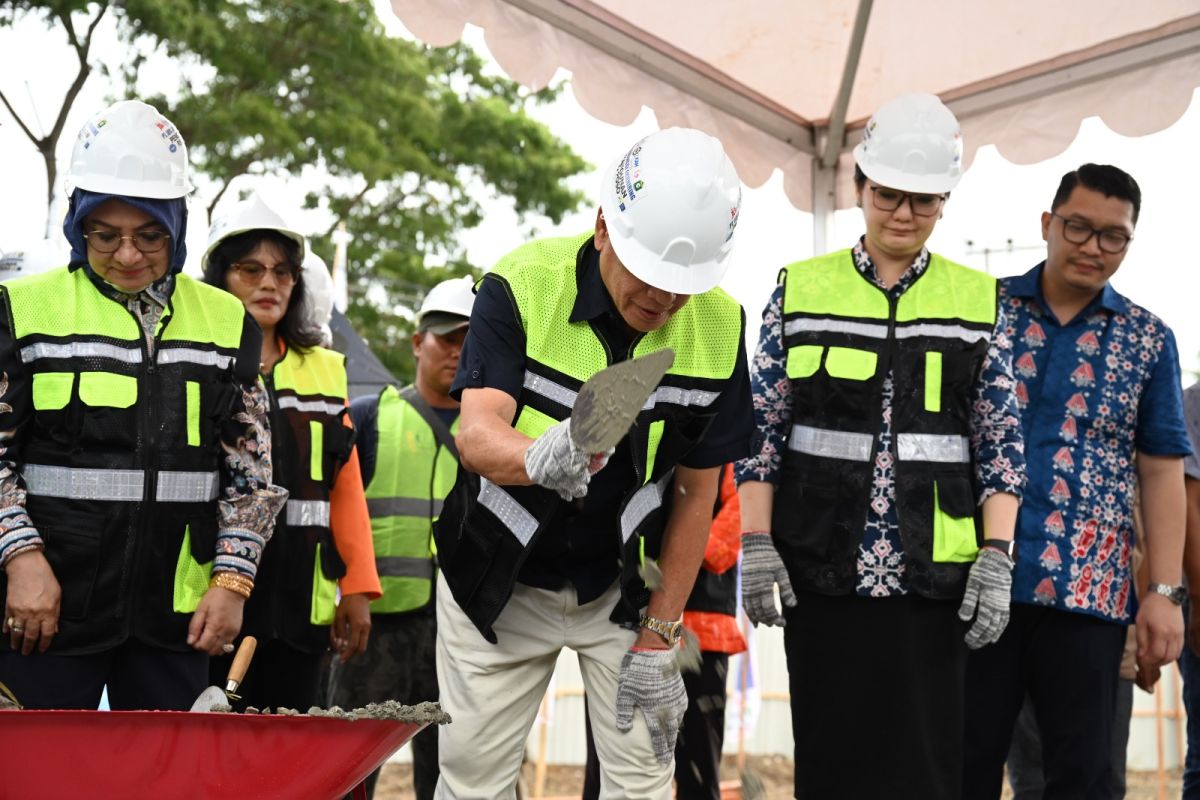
x: 884, y: 399
x: 324, y: 529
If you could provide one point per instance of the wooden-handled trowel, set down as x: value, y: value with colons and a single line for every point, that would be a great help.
x: 215, y: 696
x: 610, y: 400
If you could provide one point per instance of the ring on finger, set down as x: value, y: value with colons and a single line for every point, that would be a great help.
x: 227, y: 648
x: 14, y: 626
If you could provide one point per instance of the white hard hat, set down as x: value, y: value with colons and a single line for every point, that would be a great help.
x: 671, y: 206
x: 449, y: 303
x: 130, y: 149
x: 31, y: 259
x: 318, y: 291
x: 912, y: 143
x: 248, y: 215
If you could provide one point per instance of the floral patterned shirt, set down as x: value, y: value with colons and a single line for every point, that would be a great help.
x: 996, y: 445
x: 1092, y: 393
x: 249, y: 502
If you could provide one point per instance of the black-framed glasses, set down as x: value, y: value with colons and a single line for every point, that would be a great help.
x: 1077, y: 232
x: 110, y: 241
x: 253, y: 272
x: 922, y: 205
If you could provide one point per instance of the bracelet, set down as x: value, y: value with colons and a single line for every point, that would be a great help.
x: 233, y: 581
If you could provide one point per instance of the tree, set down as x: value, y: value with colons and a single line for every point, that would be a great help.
x: 402, y: 142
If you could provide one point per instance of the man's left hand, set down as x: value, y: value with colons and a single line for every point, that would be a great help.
x: 216, y: 621
x: 650, y: 680
x: 988, y: 597
x: 351, y: 626
x: 1159, y: 631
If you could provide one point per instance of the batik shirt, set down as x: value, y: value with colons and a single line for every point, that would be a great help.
x: 1092, y: 392
x: 996, y: 447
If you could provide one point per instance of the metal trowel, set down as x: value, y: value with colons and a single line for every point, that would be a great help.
x: 610, y: 400
x: 215, y: 696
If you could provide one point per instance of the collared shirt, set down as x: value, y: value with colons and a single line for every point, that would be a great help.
x: 249, y: 502
x: 579, y: 545
x: 1092, y: 391
x: 996, y: 446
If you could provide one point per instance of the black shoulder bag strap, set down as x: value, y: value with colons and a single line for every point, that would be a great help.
x: 444, y: 437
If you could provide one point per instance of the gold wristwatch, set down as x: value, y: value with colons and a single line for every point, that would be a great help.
x: 671, y: 631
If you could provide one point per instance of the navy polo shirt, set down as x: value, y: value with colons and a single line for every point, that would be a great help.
x: 1093, y: 391
x: 580, y: 545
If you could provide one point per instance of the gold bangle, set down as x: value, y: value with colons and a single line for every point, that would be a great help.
x: 233, y: 581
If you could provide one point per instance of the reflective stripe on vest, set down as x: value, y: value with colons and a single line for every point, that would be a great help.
x: 831, y: 444
x: 644, y: 502
x: 937, y: 447
x: 39, y: 350
x: 191, y: 355
x: 400, y: 567
x: 122, y: 485
x: 422, y: 507
x: 512, y: 514
x: 308, y: 513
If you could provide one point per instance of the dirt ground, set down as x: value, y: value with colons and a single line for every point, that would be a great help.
x: 774, y: 773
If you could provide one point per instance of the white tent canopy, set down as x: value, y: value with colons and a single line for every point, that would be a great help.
x: 789, y: 84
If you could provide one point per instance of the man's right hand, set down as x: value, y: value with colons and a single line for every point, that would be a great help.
x: 762, y: 568
x: 32, y: 605
x: 553, y: 461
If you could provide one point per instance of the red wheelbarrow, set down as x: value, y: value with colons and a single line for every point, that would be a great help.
x: 181, y: 755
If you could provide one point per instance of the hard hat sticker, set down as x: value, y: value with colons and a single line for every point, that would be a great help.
x: 627, y: 182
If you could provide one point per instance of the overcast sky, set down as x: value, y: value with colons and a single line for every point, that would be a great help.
x: 997, y: 202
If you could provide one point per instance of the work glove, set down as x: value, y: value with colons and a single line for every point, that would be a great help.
x: 553, y: 461
x: 761, y: 570
x: 988, y: 597
x: 650, y: 680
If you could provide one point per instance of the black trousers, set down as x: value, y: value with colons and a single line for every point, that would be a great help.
x: 701, y: 736
x: 139, y: 678
x: 1069, y: 664
x: 877, y: 697
x: 400, y: 664
x: 279, y: 677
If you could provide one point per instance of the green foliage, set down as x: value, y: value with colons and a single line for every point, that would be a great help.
x: 400, y: 141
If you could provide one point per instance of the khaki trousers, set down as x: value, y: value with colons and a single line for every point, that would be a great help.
x: 492, y: 693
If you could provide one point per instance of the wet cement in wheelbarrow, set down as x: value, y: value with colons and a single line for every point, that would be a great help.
x: 421, y: 713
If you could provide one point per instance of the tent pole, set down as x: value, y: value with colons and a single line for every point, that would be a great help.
x: 824, y: 181
x: 837, y: 118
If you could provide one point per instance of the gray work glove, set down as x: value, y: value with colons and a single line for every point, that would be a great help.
x: 761, y: 570
x: 988, y: 597
x: 553, y: 461
x: 650, y: 680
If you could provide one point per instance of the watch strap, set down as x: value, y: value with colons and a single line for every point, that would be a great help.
x: 1006, y: 546
x: 1176, y: 594
x: 670, y: 630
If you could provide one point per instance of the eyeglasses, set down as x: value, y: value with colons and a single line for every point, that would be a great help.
x: 1110, y: 241
x: 253, y: 272
x: 922, y: 205
x: 110, y: 241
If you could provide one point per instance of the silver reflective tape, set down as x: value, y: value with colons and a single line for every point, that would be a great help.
x: 186, y: 487
x: 810, y: 325
x: 312, y: 406
x: 941, y: 332
x: 400, y: 567
x: 512, y: 514
x: 190, y: 355
x: 84, y: 484
x: 831, y: 444
x: 680, y: 397
x: 32, y: 352
x: 943, y: 448
x: 644, y: 502
x: 308, y: 512
x: 403, y: 507
x: 550, y: 390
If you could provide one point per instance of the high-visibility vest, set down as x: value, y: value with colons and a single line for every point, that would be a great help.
x: 413, y: 474
x: 295, y: 594
x: 121, y: 452
x: 843, y: 336
x: 487, y: 530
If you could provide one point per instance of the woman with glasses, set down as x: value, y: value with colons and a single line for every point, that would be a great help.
x: 135, y: 455
x: 323, y: 537
x: 882, y: 499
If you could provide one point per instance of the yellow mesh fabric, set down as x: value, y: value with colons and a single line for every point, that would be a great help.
x: 318, y: 372
x: 212, y: 315
x: 831, y: 285
x: 191, y: 578
x: 62, y: 303
x: 705, y: 334
x: 949, y: 291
